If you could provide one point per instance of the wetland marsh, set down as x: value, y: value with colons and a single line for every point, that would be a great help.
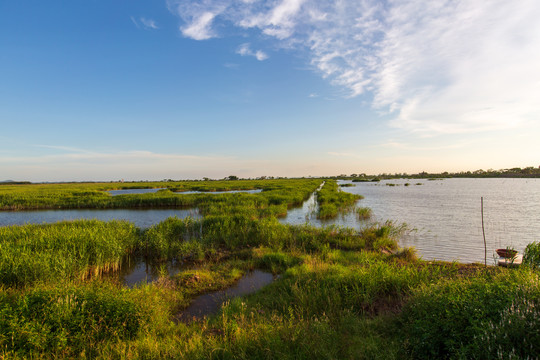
x: 114, y: 289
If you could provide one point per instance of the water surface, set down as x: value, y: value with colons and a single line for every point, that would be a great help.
x: 133, y: 191
x: 142, y: 218
x: 209, y: 304
x: 447, y: 214
x: 135, y: 271
x: 255, y: 191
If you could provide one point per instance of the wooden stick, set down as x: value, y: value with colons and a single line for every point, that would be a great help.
x: 483, y: 231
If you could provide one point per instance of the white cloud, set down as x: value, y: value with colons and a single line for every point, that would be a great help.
x: 200, y: 29
x: 449, y: 66
x: 245, y: 50
x: 145, y: 23
x: 149, y: 23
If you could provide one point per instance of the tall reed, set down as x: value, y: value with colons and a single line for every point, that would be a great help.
x: 72, y: 250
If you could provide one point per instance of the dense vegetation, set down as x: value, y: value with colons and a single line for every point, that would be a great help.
x: 276, y: 193
x: 333, y: 201
x: 341, y: 293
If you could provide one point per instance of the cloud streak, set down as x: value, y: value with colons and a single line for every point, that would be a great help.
x: 245, y: 50
x: 147, y: 24
x: 439, y: 67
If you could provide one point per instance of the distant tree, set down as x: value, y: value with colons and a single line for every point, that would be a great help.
x: 232, y: 177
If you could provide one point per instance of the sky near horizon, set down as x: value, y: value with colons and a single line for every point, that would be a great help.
x: 177, y: 89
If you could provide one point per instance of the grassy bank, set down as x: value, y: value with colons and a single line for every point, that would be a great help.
x: 333, y: 201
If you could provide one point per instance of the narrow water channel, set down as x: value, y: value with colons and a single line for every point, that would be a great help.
x: 209, y: 304
x: 136, y: 271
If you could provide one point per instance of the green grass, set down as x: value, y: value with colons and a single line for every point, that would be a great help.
x: 286, y: 192
x: 67, y: 321
x: 332, y: 200
x: 531, y: 256
x: 364, y: 213
x: 65, y: 250
x: 457, y: 319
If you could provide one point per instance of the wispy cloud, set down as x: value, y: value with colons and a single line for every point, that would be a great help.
x: 439, y: 67
x: 147, y: 24
x: 245, y: 50
x: 231, y: 65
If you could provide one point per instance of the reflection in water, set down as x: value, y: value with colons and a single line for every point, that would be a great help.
x: 138, y: 271
x: 208, y: 304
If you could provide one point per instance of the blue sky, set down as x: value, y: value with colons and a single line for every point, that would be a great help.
x: 132, y: 89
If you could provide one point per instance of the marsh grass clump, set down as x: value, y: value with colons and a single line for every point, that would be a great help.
x: 171, y: 238
x: 66, y: 250
x: 408, y: 254
x: 364, y: 213
x: 275, y: 261
x: 381, y: 236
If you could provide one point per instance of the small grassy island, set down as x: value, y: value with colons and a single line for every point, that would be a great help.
x: 337, y: 293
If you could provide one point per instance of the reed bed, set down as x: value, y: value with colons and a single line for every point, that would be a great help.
x: 66, y: 250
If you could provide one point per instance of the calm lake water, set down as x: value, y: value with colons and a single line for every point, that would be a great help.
x: 447, y: 216
x: 142, y: 218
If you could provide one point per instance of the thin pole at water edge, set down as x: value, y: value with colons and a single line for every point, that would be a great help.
x: 483, y: 231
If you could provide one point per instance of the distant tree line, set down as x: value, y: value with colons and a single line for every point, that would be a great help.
x: 527, y: 172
